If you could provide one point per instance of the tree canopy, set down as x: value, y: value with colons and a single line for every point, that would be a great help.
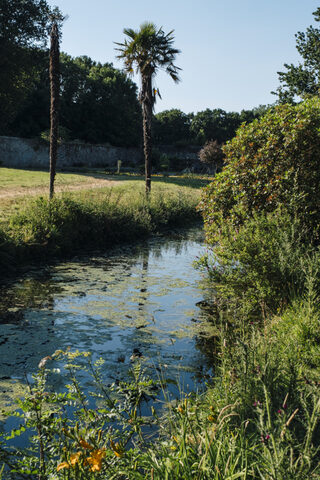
x: 23, y: 29
x: 98, y: 103
x: 303, y: 79
x: 173, y: 127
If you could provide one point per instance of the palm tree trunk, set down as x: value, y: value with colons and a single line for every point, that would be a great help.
x: 147, y: 101
x: 54, y: 106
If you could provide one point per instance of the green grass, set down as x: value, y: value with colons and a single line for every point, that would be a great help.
x: 33, y: 228
x: 18, y: 186
x: 11, y: 178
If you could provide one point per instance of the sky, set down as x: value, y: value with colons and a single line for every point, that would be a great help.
x: 231, y: 50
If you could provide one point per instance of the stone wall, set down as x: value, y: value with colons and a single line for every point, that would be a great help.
x: 34, y: 153
x: 184, y: 153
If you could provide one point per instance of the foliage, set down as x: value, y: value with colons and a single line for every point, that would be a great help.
x: 220, y: 125
x: 23, y: 29
x: 95, y: 439
x: 269, y: 162
x: 260, y: 266
x: 63, y: 135
x: 42, y: 229
x: 214, y: 124
x: 212, y: 155
x: 171, y: 127
x: 147, y: 50
x: 303, y: 79
x: 98, y: 104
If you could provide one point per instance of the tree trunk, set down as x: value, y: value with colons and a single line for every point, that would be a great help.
x: 54, y: 105
x: 147, y: 100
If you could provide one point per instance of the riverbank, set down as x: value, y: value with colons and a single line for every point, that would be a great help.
x: 259, y: 417
x: 82, y: 220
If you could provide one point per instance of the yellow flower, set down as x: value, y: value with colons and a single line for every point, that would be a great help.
x: 181, y: 408
x: 117, y: 449
x: 95, y: 459
x: 211, y: 418
x: 85, y: 444
x: 62, y: 465
x: 74, y: 458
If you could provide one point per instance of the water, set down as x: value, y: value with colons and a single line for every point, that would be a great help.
x: 142, y: 298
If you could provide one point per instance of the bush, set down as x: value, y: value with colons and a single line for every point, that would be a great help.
x: 263, y: 265
x: 212, y: 155
x: 267, y: 162
x: 64, y: 135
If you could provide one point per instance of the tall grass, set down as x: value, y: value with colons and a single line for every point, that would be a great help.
x: 68, y: 224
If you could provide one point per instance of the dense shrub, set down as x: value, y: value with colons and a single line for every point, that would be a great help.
x: 267, y: 162
x: 212, y: 155
x: 263, y: 265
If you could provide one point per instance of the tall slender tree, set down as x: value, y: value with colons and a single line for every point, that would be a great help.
x: 54, y: 73
x: 147, y: 50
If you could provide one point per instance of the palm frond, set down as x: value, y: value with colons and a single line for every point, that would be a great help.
x: 147, y: 50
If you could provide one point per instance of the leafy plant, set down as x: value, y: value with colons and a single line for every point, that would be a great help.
x: 212, y: 155
x: 268, y: 162
x: 263, y: 265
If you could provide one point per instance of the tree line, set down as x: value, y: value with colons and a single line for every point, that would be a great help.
x: 174, y: 127
x: 98, y: 103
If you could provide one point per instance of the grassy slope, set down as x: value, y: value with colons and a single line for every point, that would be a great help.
x: 17, y: 185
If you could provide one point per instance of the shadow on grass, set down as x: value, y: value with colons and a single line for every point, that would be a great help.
x: 181, y: 181
x: 99, y: 173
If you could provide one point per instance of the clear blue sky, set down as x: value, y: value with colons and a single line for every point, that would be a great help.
x: 231, y: 50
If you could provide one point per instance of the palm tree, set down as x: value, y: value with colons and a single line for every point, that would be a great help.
x: 148, y: 50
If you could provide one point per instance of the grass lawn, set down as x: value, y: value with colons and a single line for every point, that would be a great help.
x: 18, y: 186
x: 12, y: 178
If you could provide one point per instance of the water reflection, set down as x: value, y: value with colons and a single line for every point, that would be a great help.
x: 139, y: 299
